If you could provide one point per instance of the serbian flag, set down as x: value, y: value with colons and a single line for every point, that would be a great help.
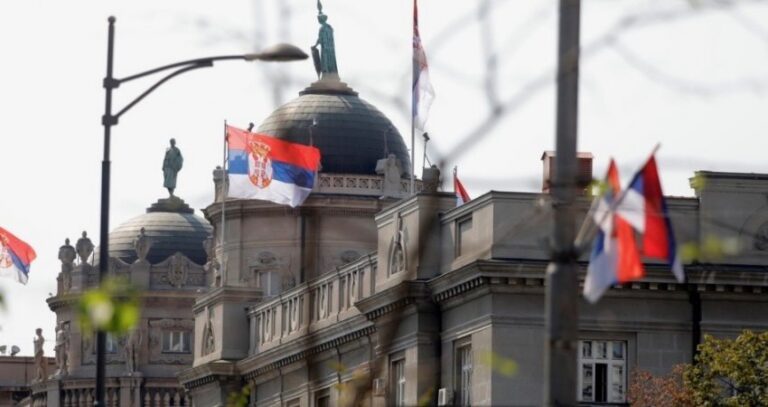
x: 422, y: 91
x: 614, y: 258
x: 15, y: 257
x: 645, y: 208
x: 462, y: 196
x: 264, y: 167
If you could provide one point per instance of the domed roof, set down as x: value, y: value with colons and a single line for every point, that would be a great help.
x: 171, y: 227
x: 349, y: 131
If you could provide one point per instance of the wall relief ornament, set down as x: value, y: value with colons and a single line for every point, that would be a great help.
x: 761, y: 237
x: 178, y: 269
x: 397, y: 253
x: 209, y: 340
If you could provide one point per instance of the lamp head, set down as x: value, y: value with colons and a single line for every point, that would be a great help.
x: 279, y: 53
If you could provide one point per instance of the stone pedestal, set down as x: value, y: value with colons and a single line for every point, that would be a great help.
x: 130, y: 390
x: 172, y: 204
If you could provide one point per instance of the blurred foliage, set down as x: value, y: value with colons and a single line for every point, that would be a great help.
x: 426, y: 398
x: 710, y: 248
x: 498, y: 363
x: 239, y: 398
x: 730, y: 372
x: 113, y: 307
x: 647, y: 390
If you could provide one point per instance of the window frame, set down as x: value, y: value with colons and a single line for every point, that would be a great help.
x: 184, y: 339
x: 459, y: 248
x: 397, y: 379
x: 463, y: 393
x: 611, y: 362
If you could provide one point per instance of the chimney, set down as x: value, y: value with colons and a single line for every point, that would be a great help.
x: 584, y: 166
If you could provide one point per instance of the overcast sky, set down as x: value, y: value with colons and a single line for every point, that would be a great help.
x: 684, y: 73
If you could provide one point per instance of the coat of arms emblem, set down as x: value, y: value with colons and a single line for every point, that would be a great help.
x: 5, y: 255
x: 259, y: 164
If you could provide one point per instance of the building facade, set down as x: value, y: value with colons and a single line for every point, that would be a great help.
x: 162, y: 254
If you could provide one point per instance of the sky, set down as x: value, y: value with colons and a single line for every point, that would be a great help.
x: 689, y: 74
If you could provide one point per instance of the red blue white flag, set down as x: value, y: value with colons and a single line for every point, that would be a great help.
x: 462, y: 196
x: 645, y: 208
x: 614, y: 258
x: 264, y: 167
x: 15, y: 257
x: 422, y: 91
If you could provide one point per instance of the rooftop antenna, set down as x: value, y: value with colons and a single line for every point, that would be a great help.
x: 425, y: 160
x: 15, y: 350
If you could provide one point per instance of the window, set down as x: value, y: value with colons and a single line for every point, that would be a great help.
x: 270, y: 283
x: 463, y: 358
x: 323, y: 398
x: 463, y: 229
x: 397, y: 382
x: 110, y: 346
x: 602, y: 371
x: 176, y: 341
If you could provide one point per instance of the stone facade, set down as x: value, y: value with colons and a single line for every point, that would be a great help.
x: 447, y: 304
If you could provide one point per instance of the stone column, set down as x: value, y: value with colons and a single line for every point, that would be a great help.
x: 53, y: 391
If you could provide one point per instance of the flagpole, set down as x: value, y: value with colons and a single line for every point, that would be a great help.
x: 413, y: 107
x: 224, y: 188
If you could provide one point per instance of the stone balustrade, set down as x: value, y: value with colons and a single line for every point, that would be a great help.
x: 311, y: 306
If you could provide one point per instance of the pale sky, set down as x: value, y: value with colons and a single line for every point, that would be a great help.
x: 684, y: 73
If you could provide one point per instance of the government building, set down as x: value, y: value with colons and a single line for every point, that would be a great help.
x: 369, y: 294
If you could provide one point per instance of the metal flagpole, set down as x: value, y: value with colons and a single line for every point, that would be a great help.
x: 224, y: 191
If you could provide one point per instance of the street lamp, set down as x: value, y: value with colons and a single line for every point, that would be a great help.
x: 277, y: 53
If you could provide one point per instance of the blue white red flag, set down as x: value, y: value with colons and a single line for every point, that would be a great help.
x: 645, y: 208
x: 423, y: 93
x: 614, y: 258
x: 15, y: 257
x: 264, y: 167
x: 462, y: 196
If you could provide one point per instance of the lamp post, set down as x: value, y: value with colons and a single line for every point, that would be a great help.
x: 277, y: 53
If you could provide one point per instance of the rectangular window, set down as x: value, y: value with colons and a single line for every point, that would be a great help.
x: 602, y: 371
x: 463, y: 358
x: 323, y: 398
x: 176, y: 342
x: 110, y: 345
x: 397, y: 382
x: 270, y: 283
x: 463, y: 229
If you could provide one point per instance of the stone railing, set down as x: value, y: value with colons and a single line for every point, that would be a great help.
x: 311, y: 306
x: 164, y: 396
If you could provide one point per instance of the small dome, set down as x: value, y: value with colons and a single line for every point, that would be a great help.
x: 170, y: 228
x: 350, y: 132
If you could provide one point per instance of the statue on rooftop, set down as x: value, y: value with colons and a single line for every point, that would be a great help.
x: 141, y: 245
x: 40, y: 362
x: 325, y: 60
x: 84, y: 248
x: 62, y: 349
x: 171, y: 166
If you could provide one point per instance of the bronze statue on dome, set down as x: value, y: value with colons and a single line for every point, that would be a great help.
x: 325, y: 59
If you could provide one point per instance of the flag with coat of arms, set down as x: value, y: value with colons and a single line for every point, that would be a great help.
x: 264, y: 167
x: 15, y: 257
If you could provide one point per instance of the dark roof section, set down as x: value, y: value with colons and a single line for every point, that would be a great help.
x: 350, y: 132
